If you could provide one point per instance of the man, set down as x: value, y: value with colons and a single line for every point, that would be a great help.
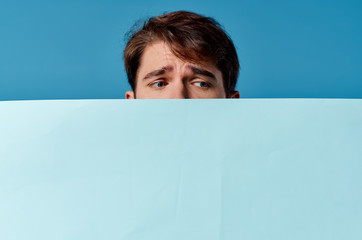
x: 181, y: 55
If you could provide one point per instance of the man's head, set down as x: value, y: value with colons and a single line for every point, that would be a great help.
x: 181, y: 55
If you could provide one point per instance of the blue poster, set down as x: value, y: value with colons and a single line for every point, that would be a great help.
x: 181, y: 169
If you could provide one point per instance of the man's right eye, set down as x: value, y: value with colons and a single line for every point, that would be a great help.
x: 158, y: 84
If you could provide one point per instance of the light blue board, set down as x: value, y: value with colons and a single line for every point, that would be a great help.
x: 181, y: 169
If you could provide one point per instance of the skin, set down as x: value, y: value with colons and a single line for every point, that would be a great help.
x: 162, y: 75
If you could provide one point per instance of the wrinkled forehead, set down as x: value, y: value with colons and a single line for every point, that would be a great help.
x: 159, y: 50
x: 195, y: 54
x: 159, y: 54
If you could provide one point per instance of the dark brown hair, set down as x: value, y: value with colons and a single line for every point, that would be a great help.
x: 191, y: 37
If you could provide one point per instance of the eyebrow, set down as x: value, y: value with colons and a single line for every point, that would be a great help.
x: 158, y: 72
x: 166, y: 69
x: 203, y: 72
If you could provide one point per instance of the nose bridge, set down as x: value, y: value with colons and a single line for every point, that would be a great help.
x: 179, y: 88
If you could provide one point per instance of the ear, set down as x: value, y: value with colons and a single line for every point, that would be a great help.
x: 129, y: 95
x: 235, y: 94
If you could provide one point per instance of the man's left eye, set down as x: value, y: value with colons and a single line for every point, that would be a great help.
x: 202, y: 84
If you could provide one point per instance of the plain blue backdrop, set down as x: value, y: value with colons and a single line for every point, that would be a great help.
x: 73, y: 49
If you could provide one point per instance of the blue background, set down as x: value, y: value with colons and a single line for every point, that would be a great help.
x: 73, y: 49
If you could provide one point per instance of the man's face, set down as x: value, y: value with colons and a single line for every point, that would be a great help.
x: 162, y: 75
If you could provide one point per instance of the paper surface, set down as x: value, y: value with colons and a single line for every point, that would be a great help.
x: 181, y: 169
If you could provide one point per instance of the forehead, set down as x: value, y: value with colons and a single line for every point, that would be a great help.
x: 155, y: 53
x: 158, y: 54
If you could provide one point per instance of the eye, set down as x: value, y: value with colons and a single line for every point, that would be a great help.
x: 158, y: 84
x: 202, y: 84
